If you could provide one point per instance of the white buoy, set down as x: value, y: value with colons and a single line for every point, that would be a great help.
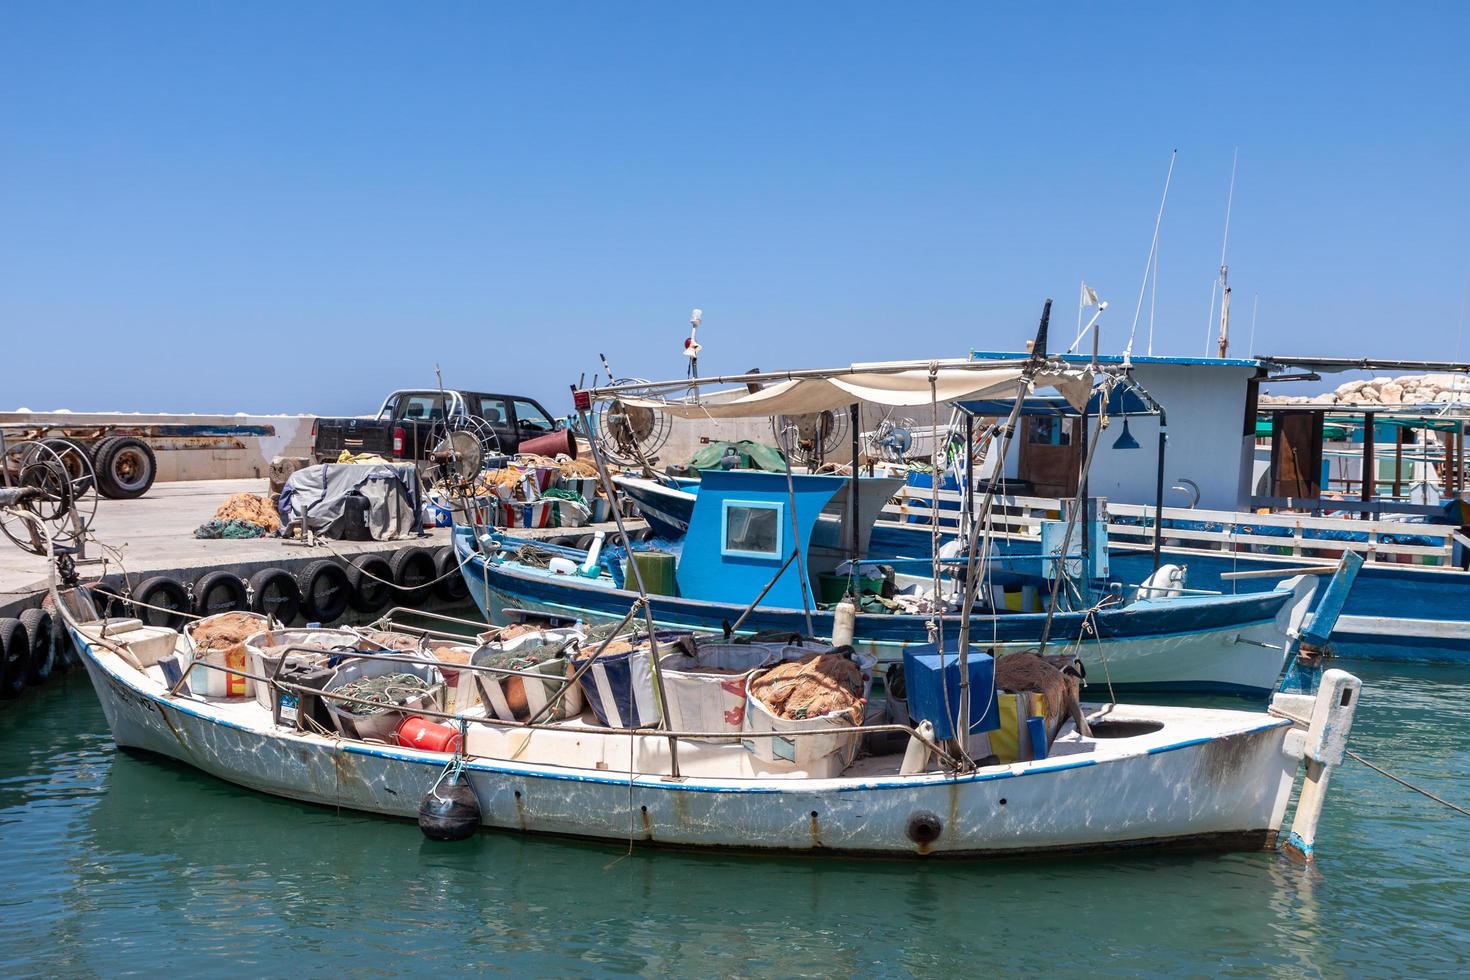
x: 844, y: 623
x: 916, y: 756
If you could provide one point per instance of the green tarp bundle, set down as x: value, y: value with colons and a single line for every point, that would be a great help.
x: 753, y: 456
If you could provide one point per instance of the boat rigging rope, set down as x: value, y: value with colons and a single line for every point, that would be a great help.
x: 1408, y: 785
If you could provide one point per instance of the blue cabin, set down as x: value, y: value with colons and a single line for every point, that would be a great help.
x: 742, y: 532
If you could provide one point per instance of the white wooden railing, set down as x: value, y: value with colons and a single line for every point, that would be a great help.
x: 1131, y: 525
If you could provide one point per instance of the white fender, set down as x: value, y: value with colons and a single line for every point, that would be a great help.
x: 1166, y: 582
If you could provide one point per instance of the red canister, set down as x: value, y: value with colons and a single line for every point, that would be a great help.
x: 421, y: 733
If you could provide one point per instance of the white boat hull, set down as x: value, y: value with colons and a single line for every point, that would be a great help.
x: 1207, y: 778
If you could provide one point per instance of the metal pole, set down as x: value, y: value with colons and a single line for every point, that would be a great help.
x: 1369, y: 463
x: 806, y: 605
x: 1159, y: 490
x: 856, y: 421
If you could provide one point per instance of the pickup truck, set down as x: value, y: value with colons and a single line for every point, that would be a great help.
x: 411, y: 422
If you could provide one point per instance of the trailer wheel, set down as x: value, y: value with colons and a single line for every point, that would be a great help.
x: 126, y: 467
x: 78, y: 462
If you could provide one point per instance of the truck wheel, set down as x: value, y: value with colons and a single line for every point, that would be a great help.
x: 126, y: 467
x: 78, y: 462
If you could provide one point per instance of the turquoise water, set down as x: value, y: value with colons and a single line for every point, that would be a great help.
x: 114, y: 864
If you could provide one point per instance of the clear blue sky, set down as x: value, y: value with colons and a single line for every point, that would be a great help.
x: 293, y: 207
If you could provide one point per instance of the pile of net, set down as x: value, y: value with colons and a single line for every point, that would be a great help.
x: 225, y: 632
x: 242, y: 515
x: 384, y: 691
x: 390, y: 640
x: 812, y: 687
x: 524, y: 658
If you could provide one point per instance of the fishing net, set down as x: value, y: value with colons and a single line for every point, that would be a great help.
x: 384, y: 691
x: 226, y: 631
x: 812, y: 687
x: 232, y: 530
x: 252, y: 508
x: 404, y: 642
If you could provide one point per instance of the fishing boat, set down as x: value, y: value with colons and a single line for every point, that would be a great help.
x: 1144, y: 776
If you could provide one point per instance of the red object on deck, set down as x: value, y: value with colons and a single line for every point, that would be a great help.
x: 421, y: 733
x: 552, y: 444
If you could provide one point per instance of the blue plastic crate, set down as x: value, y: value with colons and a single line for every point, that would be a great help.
x: 927, y: 693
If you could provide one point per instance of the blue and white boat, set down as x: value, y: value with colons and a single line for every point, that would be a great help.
x: 740, y: 541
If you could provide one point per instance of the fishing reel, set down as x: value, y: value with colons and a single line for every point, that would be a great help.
x: 48, y: 491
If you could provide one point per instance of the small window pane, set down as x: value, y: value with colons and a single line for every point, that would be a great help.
x: 492, y: 410
x: 753, y: 529
x: 532, y: 419
x: 421, y: 408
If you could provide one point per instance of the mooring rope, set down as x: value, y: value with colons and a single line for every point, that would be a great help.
x: 1408, y: 785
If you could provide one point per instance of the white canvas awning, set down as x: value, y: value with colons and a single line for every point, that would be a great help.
x: 906, y: 387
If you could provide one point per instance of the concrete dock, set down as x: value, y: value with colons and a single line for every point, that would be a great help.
x: 155, y: 535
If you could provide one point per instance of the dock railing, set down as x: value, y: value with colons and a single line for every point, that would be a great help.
x: 1132, y: 525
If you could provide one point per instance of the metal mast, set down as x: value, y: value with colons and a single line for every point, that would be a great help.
x: 1224, y: 268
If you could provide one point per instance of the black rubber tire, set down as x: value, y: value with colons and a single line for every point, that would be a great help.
x: 67, y: 655
x: 107, y: 597
x: 413, y: 567
x: 368, y: 594
x: 126, y: 467
x: 326, y: 591
x: 165, y: 591
x: 451, y: 587
x: 275, y: 593
x: 72, y: 454
x: 15, y: 658
x: 219, y: 592
x: 43, y: 648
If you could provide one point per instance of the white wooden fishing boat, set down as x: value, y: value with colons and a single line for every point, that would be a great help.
x: 1158, y: 776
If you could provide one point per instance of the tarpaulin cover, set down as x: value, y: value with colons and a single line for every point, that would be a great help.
x: 393, y: 490
x: 910, y: 388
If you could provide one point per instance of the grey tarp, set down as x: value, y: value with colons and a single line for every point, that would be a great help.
x: 393, y: 490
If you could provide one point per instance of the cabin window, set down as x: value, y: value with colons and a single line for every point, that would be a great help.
x: 752, y: 529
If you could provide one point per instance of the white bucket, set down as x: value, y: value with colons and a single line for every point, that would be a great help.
x: 263, y: 661
x: 209, y: 682
x: 819, y: 756
x: 703, y: 695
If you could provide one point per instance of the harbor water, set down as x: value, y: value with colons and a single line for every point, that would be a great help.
x: 116, y: 864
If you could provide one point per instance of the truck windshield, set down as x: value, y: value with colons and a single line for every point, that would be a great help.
x: 421, y: 407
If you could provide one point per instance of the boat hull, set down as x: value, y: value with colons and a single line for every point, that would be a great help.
x: 1226, y: 791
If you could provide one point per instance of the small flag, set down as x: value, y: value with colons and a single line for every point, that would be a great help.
x: 1089, y: 296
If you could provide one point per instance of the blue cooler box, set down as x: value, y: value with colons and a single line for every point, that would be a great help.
x: 928, y: 686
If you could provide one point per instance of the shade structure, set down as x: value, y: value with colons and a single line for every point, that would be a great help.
x: 879, y: 385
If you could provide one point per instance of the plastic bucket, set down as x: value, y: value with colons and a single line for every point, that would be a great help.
x: 820, y: 756
x: 382, y: 723
x: 266, y: 648
x: 208, y: 682
x: 706, y: 692
x: 513, y: 698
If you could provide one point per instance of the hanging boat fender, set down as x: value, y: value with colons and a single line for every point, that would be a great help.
x: 450, y: 811
x: 844, y: 624
x: 1167, y: 582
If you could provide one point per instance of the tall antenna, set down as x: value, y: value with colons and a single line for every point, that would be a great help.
x: 1151, y: 265
x: 1225, y: 269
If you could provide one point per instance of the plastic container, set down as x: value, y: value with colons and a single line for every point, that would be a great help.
x: 459, y: 691
x: 146, y: 645
x: 421, y: 733
x: 619, y: 686
x: 706, y: 692
x: 657, y: 569
x: 266, y: 648
x: 209, y: 682
x: 819, y: 756
x: 380, y: 724
x: 933, y: 691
